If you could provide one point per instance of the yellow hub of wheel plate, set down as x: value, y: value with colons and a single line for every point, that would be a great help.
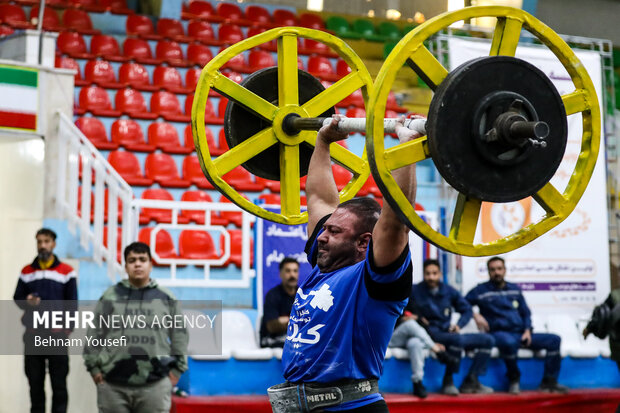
x: 466, y: 215
x: 211, y: 77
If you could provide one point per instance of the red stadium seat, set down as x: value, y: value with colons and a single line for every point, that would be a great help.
x: 72, y: 44
x: 273, y: 186
x: 188, y: 137
x: 106, y: 47
x: 221, y: 142
x: 356, y: 113
x: 202, y: 10
x: 168, y: 78
x: 214, y: 149
x: 164, y: 246
x: 162, y: 168
x: 166, y: 105
x: 210, y: 116
x: 235, y: 247
x: 156, y: 214
x: 354, y: 99
x: 171, y: 53
x: 240, y: 179
x: 128, y: 134
x: 101, y: 73
x: 14, y: 16
x: 94, y: 130
x: 171, y: 29
x: 197, y: 245
x: 6, y: 30
x: 128, y: 167
x: 272, y: 46
x: 165, y: 137
x: 311, y: 46
x: 131, y: 102
x: 194, y: 196
x: 193, y: 173
x: 140, y: 51
x: 229, y: 33
x: 392, y: 104
x: 88, y: 5
x: 230, y: 217
x: 203, y: 32
x: 260, y: 59
x: 136, y: 76
x: 142, y: 26
x: 79, y: 21
x: 259, y: 16
x: 285, y: 18
x: 70, y: 63
x: 232, y: 13
x: 311, y: 21
x: 237, y: 63
x: 321, y: 67
x: 191, y: 77
x: 342, y: 68
x: 341, y: 176
x: 270, y: 199
x: 97, y: 101
x: 116, y: 6
x: 199, y: 54
x: 234, y: 76
x: 370, y: 187
x: 51, y: 22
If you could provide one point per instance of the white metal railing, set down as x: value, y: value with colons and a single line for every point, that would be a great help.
x: 76, y: 152
x: 83, y: 206
x: 247, y: 273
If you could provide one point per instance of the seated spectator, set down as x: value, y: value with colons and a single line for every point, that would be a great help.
x: 506, y: 316
x: 278, y: 304
x: 433, y: 302
x: 412, y: 336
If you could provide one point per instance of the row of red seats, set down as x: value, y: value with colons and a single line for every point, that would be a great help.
x: 193, y: 244
x: 72, y: 19
x: 131, y: 102
x: 94, y: 6
x: 252, y: 16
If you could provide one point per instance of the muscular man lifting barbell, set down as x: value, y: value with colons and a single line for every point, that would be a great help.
x: 344, y: 313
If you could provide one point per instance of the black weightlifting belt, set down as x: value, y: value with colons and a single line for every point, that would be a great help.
x: 309, y: 397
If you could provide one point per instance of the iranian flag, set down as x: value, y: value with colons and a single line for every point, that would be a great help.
x: 18, y: 97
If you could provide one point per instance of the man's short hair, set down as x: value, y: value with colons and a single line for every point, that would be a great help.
x: 367, y: 211
x: 496, y: 259
x: 137, y: 248
x: 430, y: 261
x: 47, y: 232
x: 287, y: 260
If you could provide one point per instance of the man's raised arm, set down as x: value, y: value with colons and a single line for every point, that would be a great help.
x: 321, y: 188
x: 390, y: 235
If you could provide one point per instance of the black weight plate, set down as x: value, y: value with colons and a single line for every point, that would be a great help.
x: 451, y: 138
x: 240, y: 123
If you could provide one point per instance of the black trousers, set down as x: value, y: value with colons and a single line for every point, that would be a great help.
x: 376, y: 407
x: 58, y: 367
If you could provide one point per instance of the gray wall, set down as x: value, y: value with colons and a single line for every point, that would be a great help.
x: 591, y: 18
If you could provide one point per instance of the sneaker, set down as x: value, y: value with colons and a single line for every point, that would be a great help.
x: 552, y: 386
x: 419, y: 390
x: 514, y: 387
x: 450, y: 390
x: 473, y: 386
x: 446, y: 358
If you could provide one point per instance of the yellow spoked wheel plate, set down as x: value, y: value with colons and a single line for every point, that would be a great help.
x: 466, y: 215
x: 288, y: 102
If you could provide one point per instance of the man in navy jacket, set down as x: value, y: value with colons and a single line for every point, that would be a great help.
x: 433, y: 302
x: 45, y: 279
x: 505, y: 314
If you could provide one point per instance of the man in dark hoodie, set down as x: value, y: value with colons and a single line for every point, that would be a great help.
x: 46, y: 279
x: 138, y: 377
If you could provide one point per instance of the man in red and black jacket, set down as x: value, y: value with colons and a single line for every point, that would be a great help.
x: 45, y: 279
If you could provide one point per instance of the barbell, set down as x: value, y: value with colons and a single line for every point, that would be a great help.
x: 496, y: 127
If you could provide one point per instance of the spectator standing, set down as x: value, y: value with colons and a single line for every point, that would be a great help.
x: 278, y: 304
x: 45, y: 279
x: 505, y: 314
x: 138, y: 379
